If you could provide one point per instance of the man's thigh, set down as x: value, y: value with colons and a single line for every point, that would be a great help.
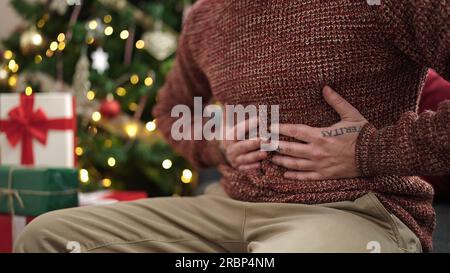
x: 208, y: 223
x: 326, y: 233
x: 362, y: 225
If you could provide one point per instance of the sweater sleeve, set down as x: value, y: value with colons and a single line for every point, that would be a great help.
x: 416, y: 144
x: 184, y: 82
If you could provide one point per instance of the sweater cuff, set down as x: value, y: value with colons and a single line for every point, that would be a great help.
x: 363, y: 154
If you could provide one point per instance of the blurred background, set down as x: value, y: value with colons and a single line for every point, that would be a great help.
x: 9, y: 19
x: 112, y: 55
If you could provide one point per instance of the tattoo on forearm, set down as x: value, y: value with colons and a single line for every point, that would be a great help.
x: 341, y: 131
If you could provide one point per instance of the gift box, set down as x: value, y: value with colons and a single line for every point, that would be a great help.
x: 109, y: 197
x: 11, y: 226
x: 37, y: 130
x: 34, y: 191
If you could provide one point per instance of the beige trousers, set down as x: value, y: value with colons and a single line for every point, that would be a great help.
x: 214, y: 222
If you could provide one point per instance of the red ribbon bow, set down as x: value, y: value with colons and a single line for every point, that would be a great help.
x: 25, y: 125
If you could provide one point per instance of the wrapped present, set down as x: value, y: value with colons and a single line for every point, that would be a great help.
x: 11, y: 226
x: 34, y: 191
x: 109, y: 197
x: 37, y: 130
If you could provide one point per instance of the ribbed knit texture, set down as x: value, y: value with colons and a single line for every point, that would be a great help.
x: 274, y: 52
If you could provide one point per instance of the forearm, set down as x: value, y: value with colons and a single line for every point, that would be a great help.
x: 415, y: 145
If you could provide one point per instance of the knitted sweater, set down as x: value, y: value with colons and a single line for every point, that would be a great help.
x: 272, y: 52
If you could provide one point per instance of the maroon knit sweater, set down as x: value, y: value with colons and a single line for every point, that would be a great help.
x: 283, y: 52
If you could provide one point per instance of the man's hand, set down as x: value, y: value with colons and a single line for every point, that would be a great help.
x: 243, y: 154
x: 322, y: 153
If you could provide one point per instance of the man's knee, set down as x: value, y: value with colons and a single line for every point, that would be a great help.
x: 42, y: 234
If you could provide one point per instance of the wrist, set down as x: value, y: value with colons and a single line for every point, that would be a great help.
x: 362, y: 150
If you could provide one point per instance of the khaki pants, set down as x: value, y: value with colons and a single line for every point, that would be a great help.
x: 214, y: 222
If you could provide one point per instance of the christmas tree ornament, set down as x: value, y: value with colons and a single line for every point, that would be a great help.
x: 110, y: 107
x: 31, y: 41
x: 59, y: 6
x: 100, y: 60
x: 159, y: 43
x: 81, y: 83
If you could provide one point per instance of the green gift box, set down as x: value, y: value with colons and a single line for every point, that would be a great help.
x: 34, y: 191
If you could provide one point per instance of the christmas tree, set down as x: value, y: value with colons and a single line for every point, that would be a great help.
x: 113, y: 55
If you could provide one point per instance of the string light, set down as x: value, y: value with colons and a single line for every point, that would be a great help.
x: 148, y: 81
x: 134, y: 79
x: 131, y: 129
x: 61, y: 37
x: 28, y: 91
x: 140, y: 44
x: 90, y: 95
x: 109, y: 31
x: 79, y: 151
x: 106, y: 182
x: 11, y: 64
x: 186, y: 176
x: 12, y: 81
x: 133, y: 106
x: 8, y: 54
x: 15, y: 68
x: 167, y: 164
x: 53, y: 46
x: 124, y: 34
x: 61, y: 46
x: 41, y: 23
x: 93, y: 24
x: 36, y: 39
x: 49, y: 53
x: 84, y: 176
x: 37, y: 59
x: 90, y: 40
x: 151, y: 126
x: 107, y: 19
x: 120, y: 91
x: 111, y: 161
x: 96, y: 116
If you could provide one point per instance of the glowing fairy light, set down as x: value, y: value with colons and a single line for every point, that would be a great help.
x: 167, y: 164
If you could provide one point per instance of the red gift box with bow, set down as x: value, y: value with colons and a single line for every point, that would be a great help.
x: 11, y: 227
x: 37, y: 130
